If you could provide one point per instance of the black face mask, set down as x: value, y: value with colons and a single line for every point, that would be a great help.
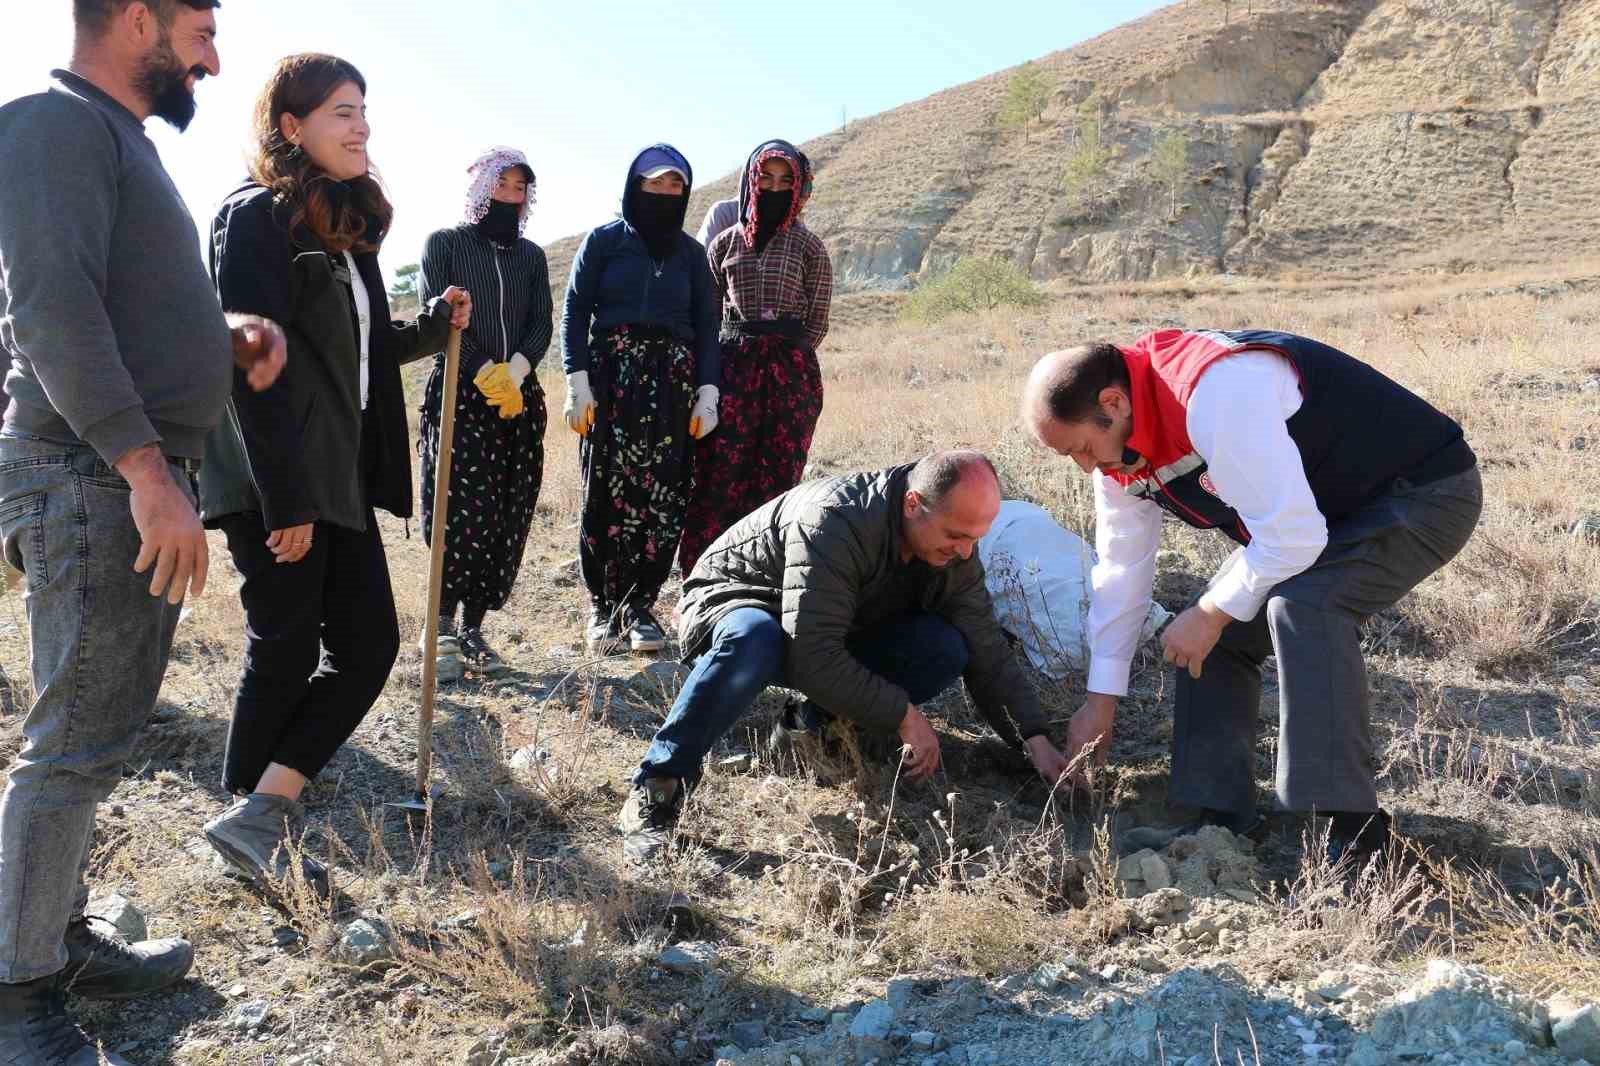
x: 772, y: 210
x: 659, y: 219
x: 500, y: 222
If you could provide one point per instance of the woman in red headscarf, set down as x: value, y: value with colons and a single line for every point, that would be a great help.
x: 774, y: 285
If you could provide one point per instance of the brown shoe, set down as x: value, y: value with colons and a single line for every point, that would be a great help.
x: 649, y: 816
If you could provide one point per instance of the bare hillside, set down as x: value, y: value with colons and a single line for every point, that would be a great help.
x: 1316, y: 136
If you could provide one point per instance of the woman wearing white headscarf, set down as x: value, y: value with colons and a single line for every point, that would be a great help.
x: 498, y: 449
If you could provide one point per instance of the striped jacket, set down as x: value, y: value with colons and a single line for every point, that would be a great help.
x: 510, y: 287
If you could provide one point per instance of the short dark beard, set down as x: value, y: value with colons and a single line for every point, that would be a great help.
x: 161, y: 80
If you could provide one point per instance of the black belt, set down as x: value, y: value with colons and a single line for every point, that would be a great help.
x: 791, y: 329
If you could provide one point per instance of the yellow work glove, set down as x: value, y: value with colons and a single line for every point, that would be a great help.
x: 517, y: 369
x: 494, y: 381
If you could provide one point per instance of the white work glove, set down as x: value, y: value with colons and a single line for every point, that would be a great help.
x: 579, y: 409
x: 703, y: 418
x: 520, y: 369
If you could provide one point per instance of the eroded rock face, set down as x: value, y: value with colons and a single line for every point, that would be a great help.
x: 1328, y: 136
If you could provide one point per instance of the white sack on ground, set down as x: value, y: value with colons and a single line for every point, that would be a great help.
x: 1038, y: 576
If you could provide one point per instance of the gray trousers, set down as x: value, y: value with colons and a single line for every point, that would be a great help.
x: 1311, y: 622
x: 100, y: 644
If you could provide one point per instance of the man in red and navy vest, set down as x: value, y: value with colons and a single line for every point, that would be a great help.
x: 1343, y: 491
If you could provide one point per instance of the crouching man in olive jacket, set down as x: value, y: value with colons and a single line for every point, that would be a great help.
x: 862, y: 592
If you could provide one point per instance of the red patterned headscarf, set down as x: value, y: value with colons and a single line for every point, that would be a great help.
x: 750, y: 179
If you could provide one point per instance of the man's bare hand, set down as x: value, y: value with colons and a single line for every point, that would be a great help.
x: 921, y: 755
x: 1048, y: 760
x: 170, y: 535
x: 1192, y: 635
x: 259, y: 349
x: 1091, y: 727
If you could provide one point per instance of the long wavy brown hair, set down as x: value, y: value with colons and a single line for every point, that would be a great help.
x: 300, y: 85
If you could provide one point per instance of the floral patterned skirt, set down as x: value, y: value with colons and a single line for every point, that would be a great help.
x: 635, y: 464
x: 771, y: 400
x: 496, y: 468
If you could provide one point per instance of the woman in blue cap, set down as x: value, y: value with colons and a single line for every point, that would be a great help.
x: 639, y: 346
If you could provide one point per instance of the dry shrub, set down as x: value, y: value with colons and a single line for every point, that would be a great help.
x: 993, y: 930
x: 1376, y: 911
x: 614, y: 1045
x: 1513, y: 600
x: 523, y: 950
x: 830, y: 887
x: 1544, y: 942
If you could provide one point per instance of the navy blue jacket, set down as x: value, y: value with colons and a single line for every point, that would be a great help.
x: 615, y: 282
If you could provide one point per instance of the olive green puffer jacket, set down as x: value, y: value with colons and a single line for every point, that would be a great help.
x: 825, y: 559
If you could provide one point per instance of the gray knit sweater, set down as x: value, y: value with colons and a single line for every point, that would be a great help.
x: 114, y: 333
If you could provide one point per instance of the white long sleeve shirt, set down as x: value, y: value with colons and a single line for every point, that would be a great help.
x: 1236, y: 422
x: 363, y: 302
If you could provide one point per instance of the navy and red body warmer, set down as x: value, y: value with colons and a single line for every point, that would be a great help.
x: 1357, y: 431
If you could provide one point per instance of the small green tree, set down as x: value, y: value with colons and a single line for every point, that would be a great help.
x: 1169, y: 166
x: 970, y: 285
x: 1027, y: 94
x: 1088, y: 171
x: 404, y: 288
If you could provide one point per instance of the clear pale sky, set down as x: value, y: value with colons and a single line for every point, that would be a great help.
x: 579, y: 86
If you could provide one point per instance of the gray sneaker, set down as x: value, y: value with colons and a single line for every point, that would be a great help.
x: 447, y: 663
x: 649, y: 817
x: 252, y: 835
x: 644, y: 632
x: 603, y: 636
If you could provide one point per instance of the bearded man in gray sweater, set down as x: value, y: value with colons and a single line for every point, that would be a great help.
x: 121, y: 363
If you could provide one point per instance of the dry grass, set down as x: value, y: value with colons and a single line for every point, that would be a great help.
x: 514, y: 917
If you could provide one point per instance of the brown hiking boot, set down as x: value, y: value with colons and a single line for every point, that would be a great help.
x: 649, y: 816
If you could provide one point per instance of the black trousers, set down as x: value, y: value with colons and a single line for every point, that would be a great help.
x: 320, y: 639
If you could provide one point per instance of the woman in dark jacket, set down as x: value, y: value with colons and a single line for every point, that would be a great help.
x: 294, y: 473
x: 498, y: 447
x: 639, y: 345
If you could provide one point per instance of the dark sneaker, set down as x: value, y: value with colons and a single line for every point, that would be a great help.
x: 252, y: 836
x: 603, y: 635
x: 644, y: 632
x: 35, y: 1029
x: 649, y: 816
x: 102, y: 965
x: 478, y: 656
x: 799, y: 730
x: 1357, y: 835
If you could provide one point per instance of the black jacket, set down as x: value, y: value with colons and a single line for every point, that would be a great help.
x: 294, y: 452
x: 824, y: 559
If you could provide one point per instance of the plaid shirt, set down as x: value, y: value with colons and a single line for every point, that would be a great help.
x: 792, y: 278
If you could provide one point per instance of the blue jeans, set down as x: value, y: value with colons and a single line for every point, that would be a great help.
x: 99, y: 648
x: 920, y: 652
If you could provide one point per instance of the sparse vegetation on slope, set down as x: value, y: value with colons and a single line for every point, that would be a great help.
x: 970, y: 286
